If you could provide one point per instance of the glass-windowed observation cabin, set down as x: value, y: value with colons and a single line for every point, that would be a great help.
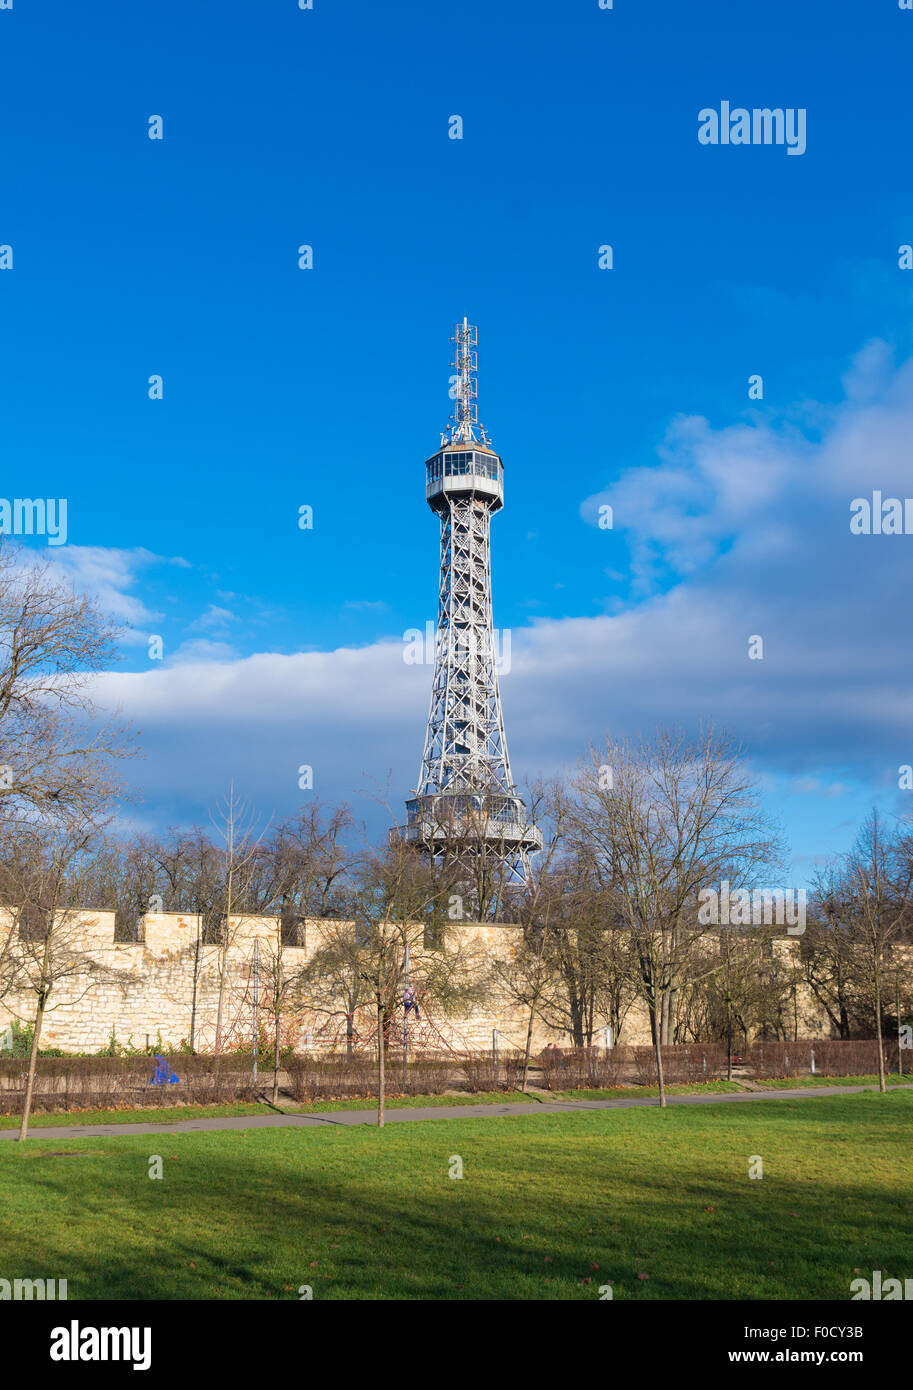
x: 464, y: 468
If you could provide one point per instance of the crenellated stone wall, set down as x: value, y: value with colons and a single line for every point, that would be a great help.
x: 140, y: 993
x: 148, y: 992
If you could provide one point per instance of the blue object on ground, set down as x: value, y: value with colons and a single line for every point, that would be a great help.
x: 164, y: 1076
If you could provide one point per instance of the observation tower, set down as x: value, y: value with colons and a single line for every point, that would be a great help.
x: 466, y: 805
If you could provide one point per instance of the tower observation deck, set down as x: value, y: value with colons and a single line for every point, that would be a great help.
x: 465, y: 804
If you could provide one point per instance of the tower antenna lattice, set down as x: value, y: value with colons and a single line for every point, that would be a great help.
x: 464, y: 418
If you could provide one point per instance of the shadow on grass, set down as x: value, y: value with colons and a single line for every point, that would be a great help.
x: 544, y: 1205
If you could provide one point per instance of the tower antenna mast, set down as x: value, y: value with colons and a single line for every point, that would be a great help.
x: 464, y: 418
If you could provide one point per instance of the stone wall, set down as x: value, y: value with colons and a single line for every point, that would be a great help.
x: 143, y: 993
x: 148, y: 993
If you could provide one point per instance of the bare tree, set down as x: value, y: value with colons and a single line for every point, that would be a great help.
x: 57, y: 775
x: 527, y: 974
x: 241, y: 865
x: 395, y: 916
x: 47, y: 951
x: 57, y: 757
x: 831, y: 954
x: 311, y: 861
x: 283, y: 993
x: 878, y: 877
x: 334, y: 980
x: 305, y: 864
x: 591, y: 950
x: 189, y: 873
x: 122, y: 874
x: 662, y: 819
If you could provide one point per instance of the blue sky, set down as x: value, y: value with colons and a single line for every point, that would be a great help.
x: 328, y: 387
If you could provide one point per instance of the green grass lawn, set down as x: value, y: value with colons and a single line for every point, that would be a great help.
x: 657, y: 1204
x: 166, y: 1114
x: 635, y: 1092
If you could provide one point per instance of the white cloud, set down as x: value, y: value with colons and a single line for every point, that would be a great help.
x: 202, y: 649
x: 109, y: 575
x: 214, y: 617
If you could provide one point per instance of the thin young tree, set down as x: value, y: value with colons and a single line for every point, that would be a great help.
x: 662, y: 819
x: 526, y: 975
x: 241, y: 876
x: 280, y: 993
x: 396, y: 915
x: 878, y: 877
x: 47, y: 953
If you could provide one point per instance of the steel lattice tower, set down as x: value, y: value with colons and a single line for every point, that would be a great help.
x: 465, y: 803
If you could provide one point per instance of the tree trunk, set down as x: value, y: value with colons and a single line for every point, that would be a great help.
x: 882, y: 1084
x: 193, y: 1006
x: 220, y: 1006
x: 529, y: 1043
x: 728, y: 1039
x: 223, y: 953
x: 380, y: 1064
x: 669, y: 1006
x: 33, y: 1066
x: 658, y: 1049
x: 277, y: 1004
x: 276, y: 1051
x: 575, y: 1005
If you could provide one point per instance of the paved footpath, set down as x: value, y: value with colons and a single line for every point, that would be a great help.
x: 313, y: 1118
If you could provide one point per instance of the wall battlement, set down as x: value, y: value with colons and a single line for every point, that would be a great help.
x: 155, y: 990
